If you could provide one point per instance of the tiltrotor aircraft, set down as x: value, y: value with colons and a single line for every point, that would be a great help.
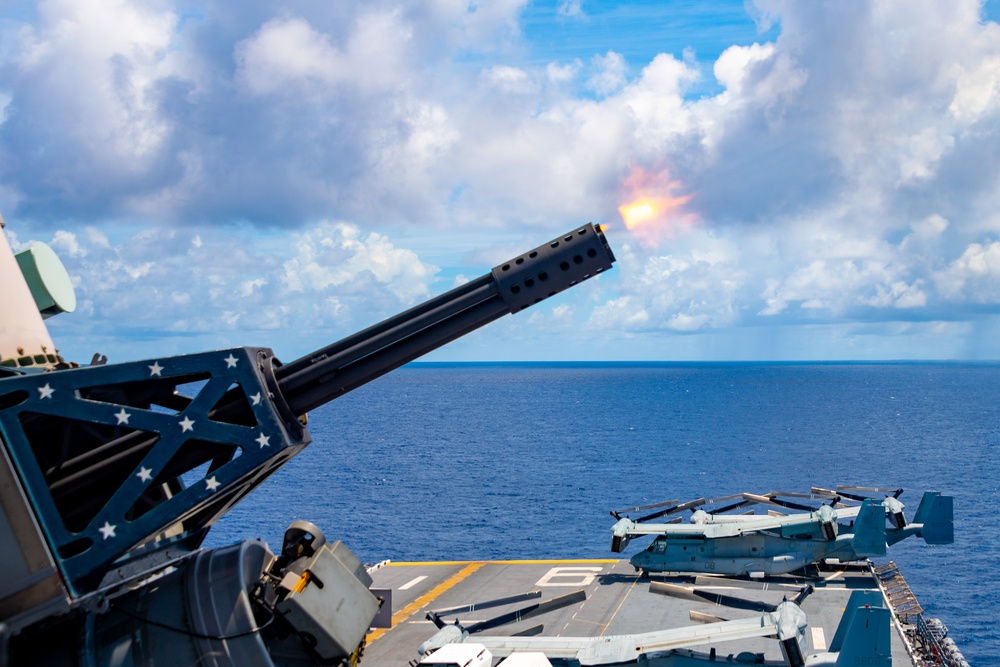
x: 111, y: 476
x: 850, y: 527
x: 862, y: 637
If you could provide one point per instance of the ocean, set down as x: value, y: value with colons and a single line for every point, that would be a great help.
x: 500, y: 461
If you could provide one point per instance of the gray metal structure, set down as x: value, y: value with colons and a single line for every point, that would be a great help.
x: 100, y: 534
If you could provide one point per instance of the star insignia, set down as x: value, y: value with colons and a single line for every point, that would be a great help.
x: 107, y: 530
x: 145, y: 474
x: 187, y: 424
x: 264, y: 440
x: 230, y: 361
x: 155, y: 369
x: 46, y: 391
x: 122, y: 417
x: 255, y: 399
x: 212, y: 483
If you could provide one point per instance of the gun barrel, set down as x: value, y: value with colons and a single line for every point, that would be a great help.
x: 90, y: 466
x: 332, y: 371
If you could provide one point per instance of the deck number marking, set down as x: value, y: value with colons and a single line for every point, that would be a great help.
x: 411, y: 583
x: 569, y: 576
x: 819, y: 639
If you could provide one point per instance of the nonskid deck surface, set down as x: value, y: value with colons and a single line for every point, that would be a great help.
x: 618, y: 602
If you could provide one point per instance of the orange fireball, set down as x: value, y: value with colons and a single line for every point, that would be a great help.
x: 653, y: 210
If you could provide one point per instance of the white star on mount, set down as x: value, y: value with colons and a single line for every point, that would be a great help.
x: 264, y: 440
x: 145, y: 474
x: 122, y: 417
x: 212, y: 483
x: 107, y: 530
x: 46, y: 391
x: 255, y: 399
x: 230, y: 361
x: 155, y: 369
x: 187, y: 424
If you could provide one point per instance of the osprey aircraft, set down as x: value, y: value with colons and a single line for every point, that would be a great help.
x: 850, y: 526
x: 862, y: 637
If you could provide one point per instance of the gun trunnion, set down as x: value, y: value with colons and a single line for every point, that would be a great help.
x: 93, y: 458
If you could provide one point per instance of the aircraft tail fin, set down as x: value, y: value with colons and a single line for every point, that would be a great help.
x: 869, y: 530
x: 936, y: 513
x: 864, y: 636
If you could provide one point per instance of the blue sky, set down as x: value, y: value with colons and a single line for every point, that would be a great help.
x: 819, y: 180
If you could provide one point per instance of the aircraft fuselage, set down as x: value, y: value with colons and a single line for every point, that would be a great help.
x: 762, y: 552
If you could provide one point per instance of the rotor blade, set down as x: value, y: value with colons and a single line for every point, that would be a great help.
x: 734, y: 506
x: 756, y: 498
x: 702, y: 617
x: 489, y: 603
x: 820, y: 491
x: 720, y: 499
x: 646, y: 507
x: 796, y: 494
x: 673, y: 510
x: 803, y: 594
x: 855, y: 496
x: 530, y: 632
x: 825, y: 495
x: 873, y: 489
x: 793, y: 506
x: 747, y: 584
x: 712, y: 598
x: 529, y: 611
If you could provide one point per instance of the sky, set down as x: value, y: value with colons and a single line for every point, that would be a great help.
x: 779, y: 180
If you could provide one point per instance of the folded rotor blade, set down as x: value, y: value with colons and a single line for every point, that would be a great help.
x: 640, y: 508
x: 793, y: 506
x: 672, y: 510
x: 896, y: 493
x: 796, y: 494
x: 746, y: 584
x: 489, y: 603
x: 803, y: 594
x: 529, y: 611
x: 734, y: 506
x: 712, y: 598
x: 702, y: 617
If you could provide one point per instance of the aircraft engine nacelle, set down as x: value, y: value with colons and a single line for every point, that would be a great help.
x: 894, y: 509
x: 620, y: 535
x: 828, y: 522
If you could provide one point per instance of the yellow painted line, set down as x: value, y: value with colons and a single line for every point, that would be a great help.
x: 620, y: 605
x: 498, y: 562
x: 412, y: 608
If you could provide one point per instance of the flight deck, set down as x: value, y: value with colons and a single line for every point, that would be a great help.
x: 618, y: 601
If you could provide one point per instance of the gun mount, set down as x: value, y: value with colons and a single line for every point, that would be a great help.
x: 112, y: 475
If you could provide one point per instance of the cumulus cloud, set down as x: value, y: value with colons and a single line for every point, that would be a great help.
x: 327, y: 281
x: 841, y: 171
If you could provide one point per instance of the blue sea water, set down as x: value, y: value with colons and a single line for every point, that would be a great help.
x: 486, y: 461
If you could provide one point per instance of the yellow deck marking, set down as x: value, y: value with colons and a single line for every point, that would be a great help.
x: 620, y: 605
x: 412, y: 608
x: 834, y: 575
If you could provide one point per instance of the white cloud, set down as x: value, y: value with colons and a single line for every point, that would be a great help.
x: 286, y: 53
x: 323, y: 281
x: 571, y: 8
x: 845, y: 170
x: 610, y: 74
x: 975, y: 276
x: 335, y: 256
